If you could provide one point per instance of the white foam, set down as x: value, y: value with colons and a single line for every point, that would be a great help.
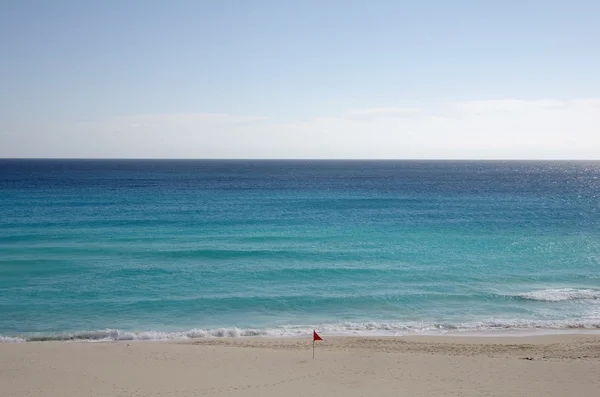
x: 10, y: 339
x: 349, y: 328
x: 561, y: 294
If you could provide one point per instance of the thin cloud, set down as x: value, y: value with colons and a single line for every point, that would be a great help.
x: 186, y: 119
x: 508, y: 129
x: 505, y: 106
x: 386, y: 112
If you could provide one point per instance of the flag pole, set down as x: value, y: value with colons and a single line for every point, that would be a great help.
x: 315, y: 337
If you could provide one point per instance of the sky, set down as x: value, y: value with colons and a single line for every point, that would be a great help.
x: 302, y: 79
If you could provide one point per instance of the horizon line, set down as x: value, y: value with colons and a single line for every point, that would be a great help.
x: 286, y: 159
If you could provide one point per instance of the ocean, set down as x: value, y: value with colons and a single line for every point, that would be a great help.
x: 165, y: 249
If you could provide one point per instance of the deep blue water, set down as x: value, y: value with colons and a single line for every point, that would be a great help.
x: 163, y: 249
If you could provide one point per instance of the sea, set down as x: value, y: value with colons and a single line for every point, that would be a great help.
x: 100, y: 250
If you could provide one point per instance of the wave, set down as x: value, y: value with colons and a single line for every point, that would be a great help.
x: 341, y: 329
x: 561, y: 294
x: 10, y: 339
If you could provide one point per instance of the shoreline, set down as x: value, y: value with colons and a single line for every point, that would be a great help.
x: 233, y: 333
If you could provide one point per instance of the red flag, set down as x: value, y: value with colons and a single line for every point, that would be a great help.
x: 316, y: 336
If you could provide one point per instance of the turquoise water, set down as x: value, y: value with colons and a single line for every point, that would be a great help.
x: 176, y: 249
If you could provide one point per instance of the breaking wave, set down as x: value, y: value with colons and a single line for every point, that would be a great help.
x: 366, y: 328
x: 561, y: 294
x: 10, y: 339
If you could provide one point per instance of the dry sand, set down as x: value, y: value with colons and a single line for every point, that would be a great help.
x: 565, y: 365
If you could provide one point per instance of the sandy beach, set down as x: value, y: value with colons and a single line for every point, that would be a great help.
x: 344, y: 366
